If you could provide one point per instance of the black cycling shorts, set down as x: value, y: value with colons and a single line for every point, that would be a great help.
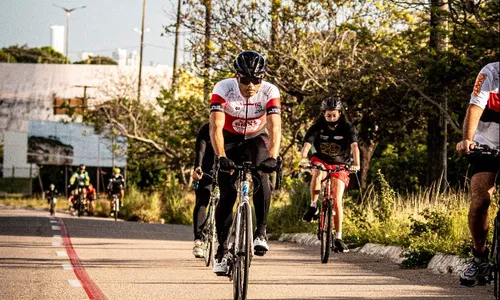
x: 482, y: 164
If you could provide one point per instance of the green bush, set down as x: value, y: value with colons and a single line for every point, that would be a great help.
x: 177, y: 204
x: 140, y: 206
x: 384, y: 205
x: 287, y: 208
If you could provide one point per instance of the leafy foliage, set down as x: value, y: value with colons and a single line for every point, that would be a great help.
x: 97, y: 60
x: 42, y: 55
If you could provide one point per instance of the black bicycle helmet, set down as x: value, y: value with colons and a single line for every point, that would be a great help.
x: 250, y: 63
x: 331, y: 103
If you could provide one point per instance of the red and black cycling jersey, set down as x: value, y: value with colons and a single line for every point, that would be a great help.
x: 486, y: 95
x: 332, y: 143
x: 245, y: 116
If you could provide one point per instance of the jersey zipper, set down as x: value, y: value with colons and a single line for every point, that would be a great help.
x: 246, y: 121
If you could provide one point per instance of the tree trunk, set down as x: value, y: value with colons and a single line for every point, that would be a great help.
x: 366, y: 151
x: 436, y: 123
x: 208, y: 37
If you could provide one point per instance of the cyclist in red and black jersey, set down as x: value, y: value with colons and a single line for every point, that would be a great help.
x: 334, y: 139
x: 91, y: 197
x: 245, y: 125
x: 481, y: 125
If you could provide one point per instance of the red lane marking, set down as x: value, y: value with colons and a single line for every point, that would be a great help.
x: 88, y: 284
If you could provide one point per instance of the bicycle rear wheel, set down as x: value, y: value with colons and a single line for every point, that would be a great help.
x: 116, y: 208
x: 325, y: 230
x: 242, y: 258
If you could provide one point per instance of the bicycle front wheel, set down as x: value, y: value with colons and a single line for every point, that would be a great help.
x: 242, y: 261
x: 209, y: 236
x: 52, y: 206
x: 325, y: 230
x: 80, y: 205
x: 496, y: 255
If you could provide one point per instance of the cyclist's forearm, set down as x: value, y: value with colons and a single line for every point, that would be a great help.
x: 471, y: 121
x: 274, y: 129
x: 305, y: 150
x: 355, y: 153
x: 216, y: 136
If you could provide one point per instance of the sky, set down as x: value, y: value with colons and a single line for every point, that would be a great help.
x: 100, y: 27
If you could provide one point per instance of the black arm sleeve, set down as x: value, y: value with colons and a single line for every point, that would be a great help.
x: 353, y: 134
x: 311, y: 134
x: 201, y: 144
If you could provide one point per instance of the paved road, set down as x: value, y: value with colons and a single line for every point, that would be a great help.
x: 125, y: 260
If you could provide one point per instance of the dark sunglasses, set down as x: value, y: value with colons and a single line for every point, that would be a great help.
x: 247, y: 80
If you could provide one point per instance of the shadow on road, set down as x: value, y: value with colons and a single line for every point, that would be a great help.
x: 94, y: 228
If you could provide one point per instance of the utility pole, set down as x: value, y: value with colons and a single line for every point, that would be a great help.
x: 140, y: 53
x: 176, y: 50
x: 68, y: 14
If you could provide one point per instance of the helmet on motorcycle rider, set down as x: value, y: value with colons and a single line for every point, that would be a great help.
x: 81, y: 168
x: 116, y: 172
x: 52, y: 186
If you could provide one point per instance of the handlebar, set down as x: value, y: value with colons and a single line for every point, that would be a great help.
x: 338, y: 168
x: 483, y: 150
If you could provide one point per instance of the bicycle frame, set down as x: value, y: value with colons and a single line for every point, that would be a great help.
x: 244, y: 200
x: 240, y: 236
x: 327, y: 196
x: 325, y: 226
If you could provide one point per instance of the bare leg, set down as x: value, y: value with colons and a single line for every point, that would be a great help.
x: 315, y: 187
x: 338, y: 188
x: 482, y: 186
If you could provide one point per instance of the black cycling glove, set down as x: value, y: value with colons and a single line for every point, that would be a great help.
x: 268, y: 165
x: 226, y: 164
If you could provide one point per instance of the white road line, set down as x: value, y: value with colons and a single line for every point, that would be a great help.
x: 67, y: 267
x: 56, y: 244
x: 74, y: 283
x: 54, y: 227
x: 62, y: 253
x: 53, y: 221
x: 57, y: 236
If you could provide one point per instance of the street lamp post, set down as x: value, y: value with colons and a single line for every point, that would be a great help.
x: 68, y: 14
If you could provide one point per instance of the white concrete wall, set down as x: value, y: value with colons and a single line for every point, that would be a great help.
x: 15, y: 155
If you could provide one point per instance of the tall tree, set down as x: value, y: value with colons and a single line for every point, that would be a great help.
x: 436, y: 124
